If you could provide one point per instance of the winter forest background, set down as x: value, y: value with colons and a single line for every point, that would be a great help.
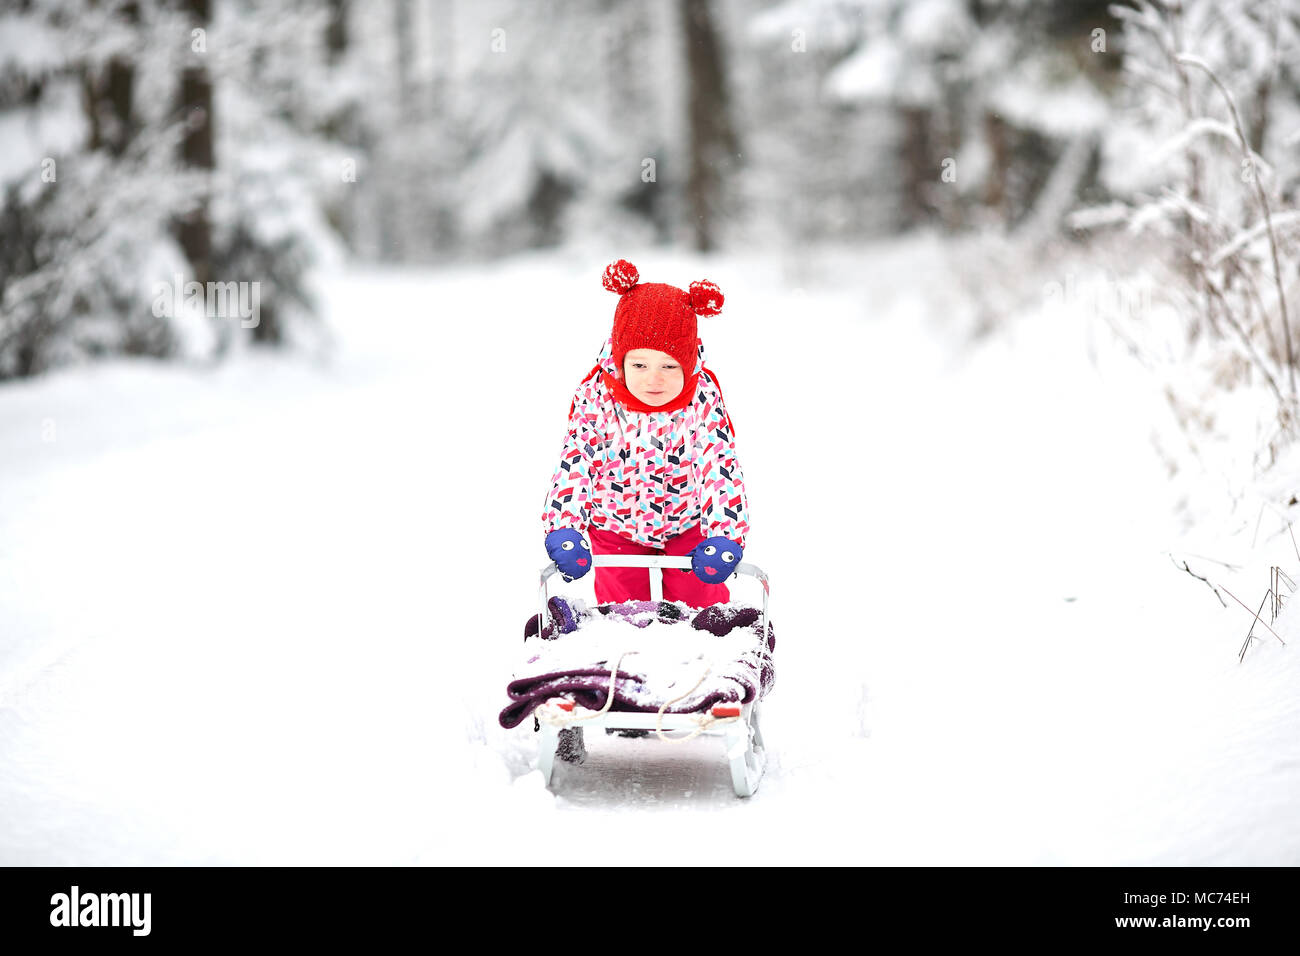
x: 1026, y: 251
x: 234, y: 141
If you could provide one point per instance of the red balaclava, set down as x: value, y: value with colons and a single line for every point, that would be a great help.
x: 657, y: 316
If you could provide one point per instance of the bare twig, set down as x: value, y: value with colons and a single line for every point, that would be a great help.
x: 1210, y: 584
x: 1257, y: 617
x: 1241, y: 655
x: 1216, y: 588
x: 1280, y: 577
x: 1190, y: 60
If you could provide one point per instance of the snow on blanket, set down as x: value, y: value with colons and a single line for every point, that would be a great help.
x: 656, y: 663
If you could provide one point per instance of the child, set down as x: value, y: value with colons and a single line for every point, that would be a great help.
x: 649, y: 463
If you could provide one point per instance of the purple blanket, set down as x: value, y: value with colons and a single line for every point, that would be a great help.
x: 750, y: 675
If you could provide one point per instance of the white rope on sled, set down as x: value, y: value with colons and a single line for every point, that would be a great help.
x: 703, y: 721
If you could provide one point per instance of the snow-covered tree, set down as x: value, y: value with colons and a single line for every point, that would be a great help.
x: 132, y: 158
x: 90, y: 185
x: 1204, y: 160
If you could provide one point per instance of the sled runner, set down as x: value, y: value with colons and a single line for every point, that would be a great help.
x: 617, y: 690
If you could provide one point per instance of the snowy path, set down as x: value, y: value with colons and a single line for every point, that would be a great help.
x: 265, y: 614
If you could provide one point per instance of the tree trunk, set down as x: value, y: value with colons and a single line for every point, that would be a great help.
x: 995, y: 195
x: 712, y: 138
x: 920, y: 168
x: 108, y: 98
x: 194, y: 231
x: 336, y: 31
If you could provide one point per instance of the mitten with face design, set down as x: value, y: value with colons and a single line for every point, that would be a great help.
x: 570, y: 552
x: 714, y: 559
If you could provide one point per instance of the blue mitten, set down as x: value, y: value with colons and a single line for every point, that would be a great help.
x: 570, y: 552
x: 714, y: 559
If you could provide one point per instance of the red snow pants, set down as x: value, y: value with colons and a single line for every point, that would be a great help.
x: 615, y: 585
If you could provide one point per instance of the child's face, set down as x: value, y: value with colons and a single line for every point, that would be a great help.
x: 654, y: 377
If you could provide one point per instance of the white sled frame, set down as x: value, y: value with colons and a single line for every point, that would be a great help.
x: 741, y: 737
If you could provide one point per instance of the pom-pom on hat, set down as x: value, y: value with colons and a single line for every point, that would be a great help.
x: 654, y: 315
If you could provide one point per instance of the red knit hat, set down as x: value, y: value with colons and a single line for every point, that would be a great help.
x: 660, y: 317
x: 653, y: 315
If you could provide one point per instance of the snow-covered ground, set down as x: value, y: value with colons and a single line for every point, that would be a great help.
x: 265, y: 613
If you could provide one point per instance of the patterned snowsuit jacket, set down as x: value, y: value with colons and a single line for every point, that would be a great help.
x: 648, y: 476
